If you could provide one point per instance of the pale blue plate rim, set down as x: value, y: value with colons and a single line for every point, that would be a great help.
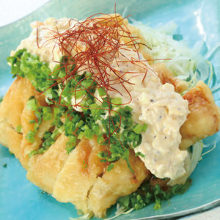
x: 201, y: 208
x: 185, y: 213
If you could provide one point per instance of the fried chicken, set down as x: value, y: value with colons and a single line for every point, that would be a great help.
x: 74, y: 177
x: 80, y: 177
x: 204, y: 117
x: 167, y: 77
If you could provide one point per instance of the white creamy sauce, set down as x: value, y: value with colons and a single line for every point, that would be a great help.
x: 153, y: 103
x: 164, y: 111
x: 47, y: 48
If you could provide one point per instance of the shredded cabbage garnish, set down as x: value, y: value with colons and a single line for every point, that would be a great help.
x: 211, y: 148
x: 83, y: 217
x: 197, y: 153
x: 213, y: 51
x: 196, y: 156
x: 119, y: 211
x: 182, y: 61
x: 185, y: 63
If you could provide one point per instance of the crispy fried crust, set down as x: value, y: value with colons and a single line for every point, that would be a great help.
x: 11, y: 110
x: 14, y: 101
x: 167, y: 77
x: 10, y: 138
x: 204, y: 117
x: 43, y: 169
x: 27, y: 147
x: 69, y: 178
x: 79, y: 174
x: 85, y: 182
x: 80, y: 177
x: 120, y: 181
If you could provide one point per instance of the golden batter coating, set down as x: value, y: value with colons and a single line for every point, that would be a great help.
x: 15, y: 100
x: 204, y: 117
x: 11, y: 110
x: 68, y: 177
x: 44, y: 168
x: 120, y: 181
x: 79, y: 174
x: 80, y: 177
x: 167, y: 77
x: 10, y: 138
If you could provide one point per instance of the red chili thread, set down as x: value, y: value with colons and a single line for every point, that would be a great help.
x: 93, y: 44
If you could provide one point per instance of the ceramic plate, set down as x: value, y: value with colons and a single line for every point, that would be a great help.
x: 198, y: 22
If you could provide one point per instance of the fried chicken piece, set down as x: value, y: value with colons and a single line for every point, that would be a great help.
x: 204, y: 117
x: 142, y: 45
x: 27, y: 147
x: 118, y: 182
x: 18, y: 95
x: 15, y: 100
x: 85, y: 182
x: 80, y: 177
x: 44, y: 168
x: 10, y: 138
x: 79, y: 174
x: 11, y: 110
x: 167, y: 77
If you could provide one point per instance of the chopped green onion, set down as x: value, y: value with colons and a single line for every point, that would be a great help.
x: 140, y: 128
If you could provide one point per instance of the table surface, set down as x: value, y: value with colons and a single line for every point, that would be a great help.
x: 12, y: 10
